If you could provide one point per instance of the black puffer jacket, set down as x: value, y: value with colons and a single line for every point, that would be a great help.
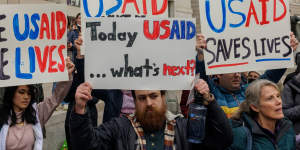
x: 118, y: 134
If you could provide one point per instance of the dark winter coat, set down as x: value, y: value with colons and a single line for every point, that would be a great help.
x: 291, y: 101
x: 247, y: 135
x: 118, y: 134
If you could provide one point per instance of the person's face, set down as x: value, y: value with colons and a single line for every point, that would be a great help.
x: 270, y: 104
x: 245, y: 74
x: 253, y: 75
x: 78, y: 20
x: 150, y: 109
x: 230, y: 81
x: 22, y: 98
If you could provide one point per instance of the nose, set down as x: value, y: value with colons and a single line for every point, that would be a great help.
x: 26, y: 96
x: 278, y: 101
x: 237, y: 74
x: 149, y: 101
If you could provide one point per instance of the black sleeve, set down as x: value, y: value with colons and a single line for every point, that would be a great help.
x: 100, y: 94
x: 218, y: 133
x: 200, y: 68
x: 85, y: 136
x: 273, y: 75
x: 78, y: 78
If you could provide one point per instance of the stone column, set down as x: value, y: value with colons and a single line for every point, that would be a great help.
x: 183, y: 9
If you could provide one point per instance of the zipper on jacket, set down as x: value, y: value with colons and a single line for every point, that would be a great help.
x: 234, y: 97
x: 276, y: 147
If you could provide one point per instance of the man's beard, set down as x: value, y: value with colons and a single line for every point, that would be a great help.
x: 152, y: 121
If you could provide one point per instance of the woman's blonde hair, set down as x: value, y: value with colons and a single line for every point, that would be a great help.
x: 253, y: 94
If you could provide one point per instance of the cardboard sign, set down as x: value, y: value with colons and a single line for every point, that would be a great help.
x: 246, y: 35
x: 122, y: 9
x: 131, y: 53
x: 32, y: 44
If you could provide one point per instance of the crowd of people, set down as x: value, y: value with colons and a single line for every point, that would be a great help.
x: 243, y: 111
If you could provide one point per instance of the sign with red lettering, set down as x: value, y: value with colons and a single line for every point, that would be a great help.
x: 246, y: 35
x: 122, y: 9
x: 32, y: 44
x: 135, y: 53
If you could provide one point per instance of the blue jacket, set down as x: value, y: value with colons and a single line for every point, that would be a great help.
x: 72, y: 36
x: 229, y: 101
x: 247, y: 135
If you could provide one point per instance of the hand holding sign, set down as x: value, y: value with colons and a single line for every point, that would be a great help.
x: 200, y: 43
x: 202, y: 87
x: 70, y: 66
x: 78, y: 44
x: 82, y: 96
x: 294, y: 41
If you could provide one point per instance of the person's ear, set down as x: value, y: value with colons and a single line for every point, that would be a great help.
x: 254, y: 108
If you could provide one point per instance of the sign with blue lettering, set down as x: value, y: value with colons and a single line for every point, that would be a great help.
x: 246, y: 35
x: 135, y: 53
x: 122, y: 9
x: 32, y: 44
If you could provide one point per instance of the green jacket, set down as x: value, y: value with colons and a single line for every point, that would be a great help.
x: 247, y: 135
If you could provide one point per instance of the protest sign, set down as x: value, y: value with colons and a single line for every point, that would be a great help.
x: 131, y: 53
x: 33, y: 44
x: 123, y: 9
x: 246, y: 35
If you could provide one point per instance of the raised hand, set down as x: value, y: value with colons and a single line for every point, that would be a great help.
x: 82, y: 96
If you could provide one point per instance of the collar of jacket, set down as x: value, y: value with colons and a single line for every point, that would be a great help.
x: 223, y: 90
x: 170, y: 116
x: 285, y: 125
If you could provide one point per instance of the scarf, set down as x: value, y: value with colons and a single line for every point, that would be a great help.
x: 169, y: 133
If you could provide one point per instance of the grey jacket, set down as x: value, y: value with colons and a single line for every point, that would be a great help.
x: 291, y: 101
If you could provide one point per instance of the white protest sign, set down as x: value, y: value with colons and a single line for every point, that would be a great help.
x: 127, y: 8
x: 246, y: 35
x: 122, y: 8
x: 32, y: 44
x: 128, y: 53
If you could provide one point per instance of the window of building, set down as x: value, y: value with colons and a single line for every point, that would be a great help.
x: 74, y: 3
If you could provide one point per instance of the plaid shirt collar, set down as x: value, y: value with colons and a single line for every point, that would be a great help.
x: 169, y: 133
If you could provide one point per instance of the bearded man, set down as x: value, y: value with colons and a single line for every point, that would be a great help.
x: 151, y: 127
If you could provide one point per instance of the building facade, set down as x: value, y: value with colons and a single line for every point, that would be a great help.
x: 295, y: 7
